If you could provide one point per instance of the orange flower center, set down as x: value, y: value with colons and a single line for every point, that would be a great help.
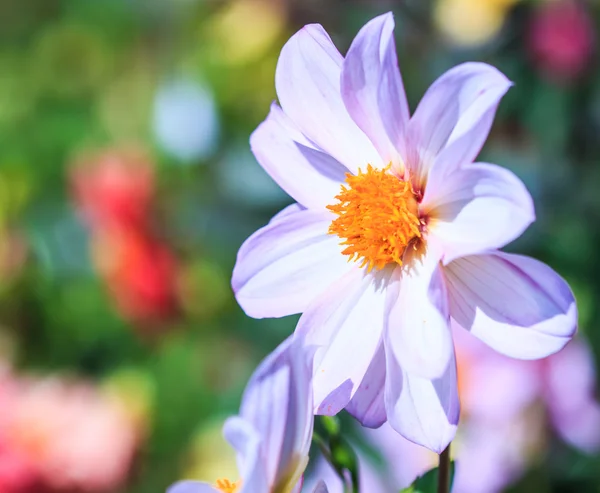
x: 377, y: 217
x: 227, y: 486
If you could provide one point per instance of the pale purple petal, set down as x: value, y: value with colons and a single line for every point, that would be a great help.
x: 277, y: 403
x: 372, y: 89
x: 345, y: 324
x: 192, y: 487
x: 455, y: 113
x: 472, y: 129
x: 368, y: 404
x: 423, y: 411
x: 308, y: 86
x: 479, y: 207
x: 417, y: 321
x: 282, y: 267
x: 310, y: 176
x: 321, y: 487
x: 264, y: 407
x: 290, y: 209
x: 391, y: 98
x: 322, y: 471
x: 517, y: 305
x: 246, y: 441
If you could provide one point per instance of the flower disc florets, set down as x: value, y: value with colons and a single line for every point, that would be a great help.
x: 227, y: 486
x: 378, y: 217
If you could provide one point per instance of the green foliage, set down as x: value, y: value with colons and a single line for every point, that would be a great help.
x: 428, y: 482
x: 338, y: 452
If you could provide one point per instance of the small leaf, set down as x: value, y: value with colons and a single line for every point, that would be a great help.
x: 428, y: 482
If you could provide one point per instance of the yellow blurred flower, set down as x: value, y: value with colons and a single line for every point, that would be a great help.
x: 471, y: 22
x: 211, y: 457
x: 245, y: 29
x: 134, y: 392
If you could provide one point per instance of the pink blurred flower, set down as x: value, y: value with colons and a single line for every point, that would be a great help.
x: 18, y: 473
x: 561, y: 39
x: 73, y: 437
x: 402, y: 196
x: 114, y: 189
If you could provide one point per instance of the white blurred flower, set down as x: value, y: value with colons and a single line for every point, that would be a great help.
x: 185, y: 120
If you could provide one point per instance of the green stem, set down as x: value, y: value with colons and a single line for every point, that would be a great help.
x: 444, y: 471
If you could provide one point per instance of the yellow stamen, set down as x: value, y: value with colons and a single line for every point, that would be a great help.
x: 378, y: 217
x: 227, y: 486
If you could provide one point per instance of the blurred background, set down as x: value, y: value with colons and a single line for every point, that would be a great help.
x: 127, y: 186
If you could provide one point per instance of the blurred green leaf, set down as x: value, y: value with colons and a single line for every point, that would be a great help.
x: 428, y: 482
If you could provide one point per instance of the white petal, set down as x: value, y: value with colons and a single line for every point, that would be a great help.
x: 454, y: 118
x: 417, y: 317
x: 282, y: 267
x: 308, y: 86
x: 192, y: 487
x: 311, y: 177
x: 245, y: 439
x: 277, y: 403
x: 479, y: 207
x: 368, y: 404
x: 372, y: 87
x: 517, y: 305
x: 424, y: 411
x: 345, y: 324
x: 321, y: 487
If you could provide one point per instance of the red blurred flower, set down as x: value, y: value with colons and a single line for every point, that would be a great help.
x: 561, y: 39
x: 141, y: 274
x: 114, y: 189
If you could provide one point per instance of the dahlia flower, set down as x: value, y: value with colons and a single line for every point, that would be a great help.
x: 394, y: 234
x: 273, y: 431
